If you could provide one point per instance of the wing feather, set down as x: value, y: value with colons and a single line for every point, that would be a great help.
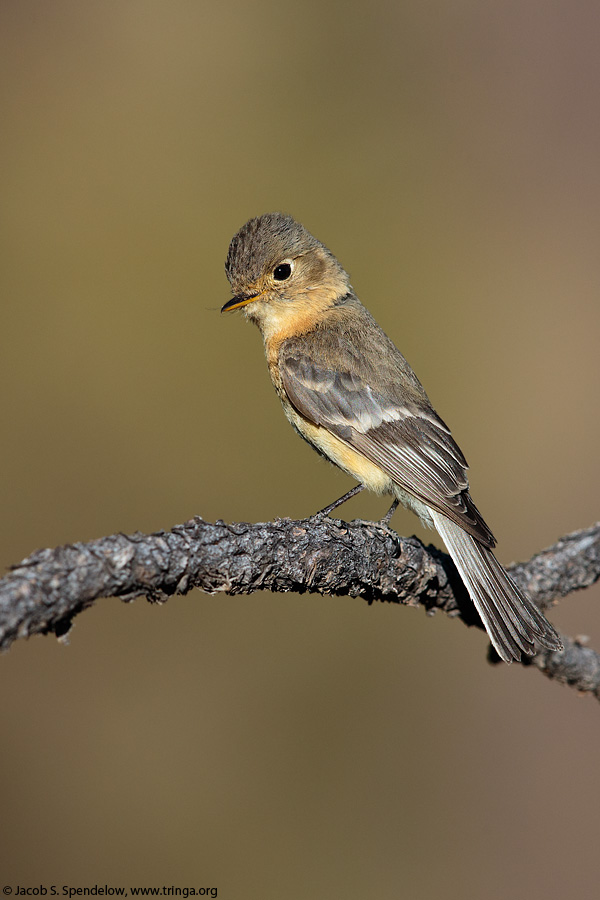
x: 404, y: 436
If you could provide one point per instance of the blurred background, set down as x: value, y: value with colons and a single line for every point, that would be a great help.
x: 293, y: 746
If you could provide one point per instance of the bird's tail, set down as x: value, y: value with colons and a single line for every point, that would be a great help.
x: 511, y: 620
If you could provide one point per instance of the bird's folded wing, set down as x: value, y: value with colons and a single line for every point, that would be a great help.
x: 405, y: 437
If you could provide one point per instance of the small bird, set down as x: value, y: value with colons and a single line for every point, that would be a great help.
x: 351, y: 394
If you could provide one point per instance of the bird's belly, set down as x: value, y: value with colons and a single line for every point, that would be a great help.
x: 355, y: 464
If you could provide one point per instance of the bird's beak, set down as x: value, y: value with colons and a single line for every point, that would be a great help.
x: 240, y: 300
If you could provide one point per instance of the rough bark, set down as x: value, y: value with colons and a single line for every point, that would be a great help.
x: 43, y: 593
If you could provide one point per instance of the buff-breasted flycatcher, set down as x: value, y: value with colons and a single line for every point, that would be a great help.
x: 350, y: 393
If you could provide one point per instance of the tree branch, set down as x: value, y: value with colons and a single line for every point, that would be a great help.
x: 43, y: 593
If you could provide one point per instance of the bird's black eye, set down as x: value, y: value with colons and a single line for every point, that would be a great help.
x: 282, y: 272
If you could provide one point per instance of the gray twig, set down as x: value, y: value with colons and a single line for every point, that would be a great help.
x: 43, y: 593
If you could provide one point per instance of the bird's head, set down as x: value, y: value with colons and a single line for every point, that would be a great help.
x: 279, y: 273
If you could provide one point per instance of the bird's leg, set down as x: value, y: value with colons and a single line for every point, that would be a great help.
x: 352, y: 493
x: 386, y: 519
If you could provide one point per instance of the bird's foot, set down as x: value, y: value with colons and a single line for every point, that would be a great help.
x: 327, y: 509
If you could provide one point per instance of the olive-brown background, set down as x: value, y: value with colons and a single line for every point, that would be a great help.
x: 293, y: 746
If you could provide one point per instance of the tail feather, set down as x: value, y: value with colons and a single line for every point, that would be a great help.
x: 514, y: 624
